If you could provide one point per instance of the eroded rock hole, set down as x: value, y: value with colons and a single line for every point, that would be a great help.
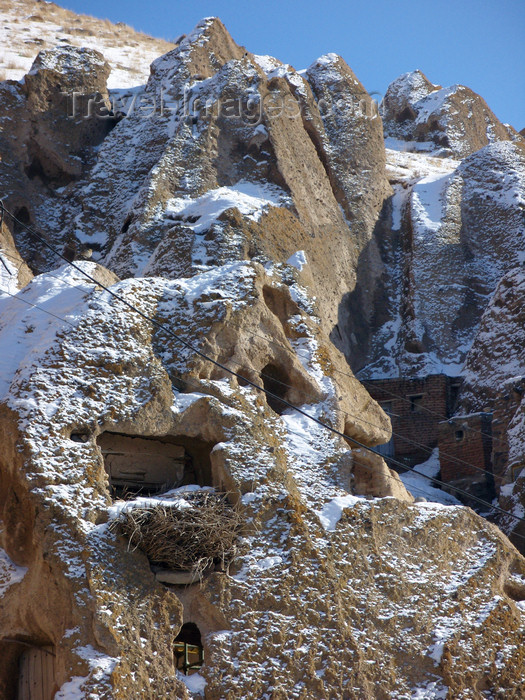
x: 79, y: 436
x: 515, y: 588
x: 277, y: 381
x: 23, y: 216
x: 148, y: 466
x: 48, y: 168
x: 188, y: 650
x: 280, y: 303
x: 126, y: 224
x: 407, y: 114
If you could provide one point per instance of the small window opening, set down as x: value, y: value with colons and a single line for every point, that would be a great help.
x: 188, y: 650
x: 454, y: 394
x: 459, y: 435
x: 416, y: 403
x: 141, y: 466
x: 79, y: 437
x: 276, y: 381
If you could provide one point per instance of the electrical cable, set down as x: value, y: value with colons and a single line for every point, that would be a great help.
x: 426, y: 448
x: 36, y: 306
x: 428, y: 410
x: 223, y: 367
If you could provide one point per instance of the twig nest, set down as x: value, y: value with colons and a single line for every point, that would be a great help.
x: 198, y: 530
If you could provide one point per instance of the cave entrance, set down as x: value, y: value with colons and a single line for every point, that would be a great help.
x: 276, y: 381
x: 147, y: 466
x: 188, y: 650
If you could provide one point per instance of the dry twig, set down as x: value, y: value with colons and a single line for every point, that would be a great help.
x: 199, y: 529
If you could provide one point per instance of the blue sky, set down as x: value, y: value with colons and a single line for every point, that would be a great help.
x: 478, y: 43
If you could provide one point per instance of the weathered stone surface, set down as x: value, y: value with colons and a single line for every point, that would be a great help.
x: 353, y: 147
x: 14, y: 273
x: 337, y: 619
x: 372, y: 477
x: 50, y: 126
x: 452, y: 235
x: 66, y: 91
x: 249, y: 200
x: 213, y: 117
x: 454, y: 119
x: 494, y: 367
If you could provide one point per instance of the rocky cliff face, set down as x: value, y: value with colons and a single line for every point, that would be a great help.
x: 455, y: 228
x: 213, y: 128
x: 454, y: 120
x: 493, y: 380
x: 243, y: 213
x: 405, y: 609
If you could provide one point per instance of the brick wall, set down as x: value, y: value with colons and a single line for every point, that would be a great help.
x: 415, y: 407
x: 467, y: 439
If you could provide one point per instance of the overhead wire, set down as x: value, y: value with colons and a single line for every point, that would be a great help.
x: 355, y: 460
x: 341, y: 411
x: 433, y: 480
x: 36, y: 306
x: 430, y: 411
x: 428, y: 449
x: 389, y: 392
x: 247, y: 381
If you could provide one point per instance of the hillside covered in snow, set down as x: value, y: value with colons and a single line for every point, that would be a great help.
x: 225, y: 281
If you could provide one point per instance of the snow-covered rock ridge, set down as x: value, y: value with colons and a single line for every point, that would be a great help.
x: 255, y: 226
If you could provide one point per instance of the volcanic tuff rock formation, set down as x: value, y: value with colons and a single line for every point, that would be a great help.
x: 187, y: 145
x: 298, y: 610
x: 456, y: 230
x: 453, y: 118
x: 493, y: 374
x: 249, y: 210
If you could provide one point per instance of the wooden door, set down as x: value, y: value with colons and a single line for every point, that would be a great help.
x: 37, y: 674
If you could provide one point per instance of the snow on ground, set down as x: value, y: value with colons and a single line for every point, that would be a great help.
x: 275, y: 69
x: 332, y: 511
x: 428, y: 201
x: 428, y: 189
x: 406, y: 166
x: 27, y: 27
x: 101, y: 667
x: 298, y: 260
x: 418, y: 484
x: 27, y: 330
x: 8, y: 276
x: 267, y: 562
x: 195, y: 683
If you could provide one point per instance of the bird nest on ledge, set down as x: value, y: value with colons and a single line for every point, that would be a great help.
x: 196, y: 532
